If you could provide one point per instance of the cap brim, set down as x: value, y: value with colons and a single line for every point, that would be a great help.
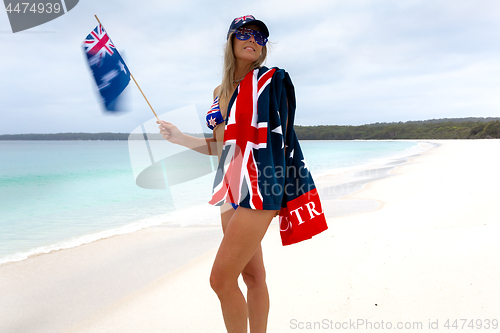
x: 260, y: 24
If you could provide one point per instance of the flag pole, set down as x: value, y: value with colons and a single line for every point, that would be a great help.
x: 135, y: 82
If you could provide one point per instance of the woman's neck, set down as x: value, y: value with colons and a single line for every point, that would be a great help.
x: 242, y: 70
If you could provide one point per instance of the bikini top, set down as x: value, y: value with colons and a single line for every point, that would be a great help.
x: 214, y: 116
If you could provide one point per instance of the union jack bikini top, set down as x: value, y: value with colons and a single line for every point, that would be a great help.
x: 214, y: 116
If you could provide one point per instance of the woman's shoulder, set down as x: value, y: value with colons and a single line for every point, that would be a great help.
x: 217, y: 91
x: 279, y: 75
x: 277, y: 71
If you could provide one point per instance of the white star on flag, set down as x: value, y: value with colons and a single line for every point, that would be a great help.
x: 305, y: 164
x: 106, y: 79
x: 279, y: 131
x: 212, y: 121
x: 94, y: 60
x: 122, y: 67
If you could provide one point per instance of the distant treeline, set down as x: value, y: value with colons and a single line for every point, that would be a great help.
x: 430, y: 129
x: 453, y: 128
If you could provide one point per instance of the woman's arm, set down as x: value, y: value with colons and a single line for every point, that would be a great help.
x: 202, y: 145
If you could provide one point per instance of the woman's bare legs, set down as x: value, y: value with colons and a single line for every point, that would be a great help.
x: 240, y: 253
x: 254, y: 276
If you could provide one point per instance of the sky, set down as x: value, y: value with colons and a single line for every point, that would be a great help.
x: 351, y: 62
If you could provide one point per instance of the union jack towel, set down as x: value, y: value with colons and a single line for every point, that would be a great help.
x: 262, y: 165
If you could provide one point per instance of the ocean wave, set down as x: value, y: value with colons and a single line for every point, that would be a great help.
x: 198, y: 216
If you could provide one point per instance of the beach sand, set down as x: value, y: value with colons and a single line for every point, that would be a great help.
x: 427, y: 252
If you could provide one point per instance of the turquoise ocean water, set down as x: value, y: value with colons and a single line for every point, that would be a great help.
x: 61, y: 194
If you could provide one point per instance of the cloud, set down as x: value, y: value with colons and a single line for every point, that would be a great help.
x: 351, y: 62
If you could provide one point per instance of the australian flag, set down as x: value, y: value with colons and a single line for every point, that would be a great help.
x: 262, y: 165
x: 110, y: 72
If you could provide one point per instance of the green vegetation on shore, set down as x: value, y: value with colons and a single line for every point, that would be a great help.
x: 465, y: 128
x: 457, y: 128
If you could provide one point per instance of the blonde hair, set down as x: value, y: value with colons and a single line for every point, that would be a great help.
x: 229, y: 67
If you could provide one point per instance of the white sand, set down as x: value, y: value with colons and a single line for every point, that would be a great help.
x: 431, y: 252
x: 52, y: 292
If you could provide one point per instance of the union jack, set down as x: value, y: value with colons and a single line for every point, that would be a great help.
x: 98, y: 44
x: 244, y: 18
x: 243, y: 135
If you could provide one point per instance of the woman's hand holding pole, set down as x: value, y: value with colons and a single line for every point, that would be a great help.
x: 171, y: 133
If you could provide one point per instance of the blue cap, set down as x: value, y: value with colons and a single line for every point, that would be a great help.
x: 245, y: 20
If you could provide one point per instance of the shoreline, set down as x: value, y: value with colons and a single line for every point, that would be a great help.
x: 335, y: 189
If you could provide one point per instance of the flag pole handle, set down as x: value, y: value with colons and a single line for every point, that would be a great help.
x: 136, y: 82
x: 144, y: 96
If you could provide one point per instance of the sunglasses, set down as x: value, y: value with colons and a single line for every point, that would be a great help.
x: 245, y: 34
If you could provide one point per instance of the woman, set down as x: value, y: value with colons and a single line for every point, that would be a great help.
x: 244, y: 220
